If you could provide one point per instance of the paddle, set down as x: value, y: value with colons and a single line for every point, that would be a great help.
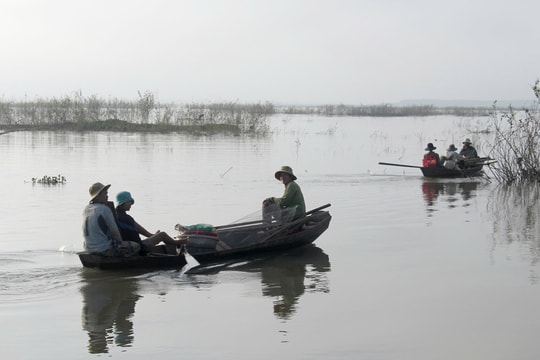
x: 295, y: 222
x: 191, y: 261
x: 261, y: 221
x: 402, y: 165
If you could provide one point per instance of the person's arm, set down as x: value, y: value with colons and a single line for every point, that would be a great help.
x: 141, y: 230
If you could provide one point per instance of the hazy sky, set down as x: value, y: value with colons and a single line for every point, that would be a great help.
x: 282, y: 51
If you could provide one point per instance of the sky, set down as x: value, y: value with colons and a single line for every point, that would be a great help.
x: 304, y: 52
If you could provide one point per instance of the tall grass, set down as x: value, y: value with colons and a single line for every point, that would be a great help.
x: 144, y: 114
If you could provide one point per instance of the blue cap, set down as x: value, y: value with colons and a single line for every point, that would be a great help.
x: 123, y: 197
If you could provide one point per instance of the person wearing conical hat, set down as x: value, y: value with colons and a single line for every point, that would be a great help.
x: 101, y: 234
x: 431, y: 158
x: 292, y: 196
x: 468, y: 151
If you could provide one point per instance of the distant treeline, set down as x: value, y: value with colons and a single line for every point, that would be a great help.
x: 78, y: 112
x: 385, y: 110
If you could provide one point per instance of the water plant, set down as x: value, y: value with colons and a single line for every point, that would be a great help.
x: 516, y: 144
x: 80, y: 113
x: 49, y: 180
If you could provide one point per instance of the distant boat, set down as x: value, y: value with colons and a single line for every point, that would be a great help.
x: 471, y: 168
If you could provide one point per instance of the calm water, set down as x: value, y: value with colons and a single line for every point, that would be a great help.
x: 409, y: 269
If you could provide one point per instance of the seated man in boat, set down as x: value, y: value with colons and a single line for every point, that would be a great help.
x: 131, y: 230
x: 452, y: 158
x: 468, y: 151
x: 101, y: 234
x: 292, y: 196
x: 431, y: 158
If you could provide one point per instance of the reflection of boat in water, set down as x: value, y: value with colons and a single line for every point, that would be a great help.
x: 431, y: 189
x: 284, y: 277
x: 108, y: 305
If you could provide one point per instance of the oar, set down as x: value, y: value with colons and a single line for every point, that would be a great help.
x: 238, y: 224
x: 295, y: 222
x: 260, y: 221
x: 402, y: 165
x: 319, y: 208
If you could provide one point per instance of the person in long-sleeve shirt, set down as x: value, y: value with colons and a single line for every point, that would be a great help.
x: 292, y: 196
x: 100, y: 231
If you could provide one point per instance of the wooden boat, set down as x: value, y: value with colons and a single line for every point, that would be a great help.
x: 241, y: 239
x: 470, y: 168
x: 233, y: 240
x: 162, y: 257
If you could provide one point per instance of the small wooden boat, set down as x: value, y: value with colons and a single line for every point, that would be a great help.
x: 162, y: 257
x: 227, y: 241
x: 470, y: 168
x: 241, y: 239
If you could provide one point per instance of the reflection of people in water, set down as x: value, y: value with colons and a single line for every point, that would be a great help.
x: 432, y: 189
x: 284, y: 277
x: 108, y: 304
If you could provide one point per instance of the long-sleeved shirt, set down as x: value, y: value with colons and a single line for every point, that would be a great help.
x: 99, y: 228
x: 292, y: 196
x: 469, y: 152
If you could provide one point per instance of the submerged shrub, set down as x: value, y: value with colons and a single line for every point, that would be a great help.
x: 516, y: 145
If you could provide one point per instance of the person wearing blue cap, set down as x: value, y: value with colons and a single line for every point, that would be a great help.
x: 131, y: 230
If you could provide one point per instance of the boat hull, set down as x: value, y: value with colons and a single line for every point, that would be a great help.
x: 287, y: 237
x: 442, y: 172
x: 164, y: 257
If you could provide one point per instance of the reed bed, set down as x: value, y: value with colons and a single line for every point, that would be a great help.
x: 77, y: 112
x: 147, y: 114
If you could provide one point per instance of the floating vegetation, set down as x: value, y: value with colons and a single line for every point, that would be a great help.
x: 49, y: 180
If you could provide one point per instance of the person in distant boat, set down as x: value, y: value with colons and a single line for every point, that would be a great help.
x: 431, y: 158
x: 452, y: 157
x: 292, y: 196
x: 100, y: 231
x: 131, y: 230
x: 468, y: 151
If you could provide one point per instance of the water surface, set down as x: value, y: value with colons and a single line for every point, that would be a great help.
x: 410, y: 268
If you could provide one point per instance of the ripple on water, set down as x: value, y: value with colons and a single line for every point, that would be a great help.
x: 27, y: 276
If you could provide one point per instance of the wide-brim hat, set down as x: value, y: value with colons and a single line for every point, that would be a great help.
x: 467, y: 141
x: 430, y: 147
x: 286, y: 170
x: 96, y: 188
x: 123, y: 197
x: 452, y: 147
